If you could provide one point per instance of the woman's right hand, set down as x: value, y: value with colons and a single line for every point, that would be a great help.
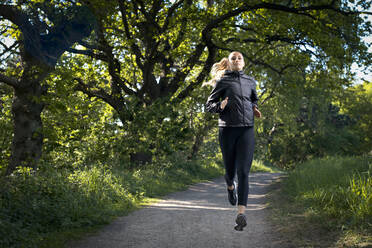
x: 224, y: 103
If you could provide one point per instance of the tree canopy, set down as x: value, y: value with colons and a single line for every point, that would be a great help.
x: 148, y: 59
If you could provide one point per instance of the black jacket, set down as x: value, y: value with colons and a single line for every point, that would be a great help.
x: 241, y: 91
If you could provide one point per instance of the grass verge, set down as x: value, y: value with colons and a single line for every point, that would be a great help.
x: 325, y: 203
x: 259, y: 166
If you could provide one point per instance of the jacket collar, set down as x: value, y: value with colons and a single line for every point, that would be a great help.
x: 227, y: 72
x: 235, y: 73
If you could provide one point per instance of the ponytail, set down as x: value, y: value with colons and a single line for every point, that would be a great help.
x: 217, y: 72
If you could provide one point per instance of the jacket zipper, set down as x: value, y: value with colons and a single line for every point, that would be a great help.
x: 242, y: 98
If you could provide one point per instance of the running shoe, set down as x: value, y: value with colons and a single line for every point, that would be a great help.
x: 241, y: 222
x: 232, y: 195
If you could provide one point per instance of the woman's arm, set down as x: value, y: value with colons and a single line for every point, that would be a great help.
x: 254, y: 99
x: 213, y: 104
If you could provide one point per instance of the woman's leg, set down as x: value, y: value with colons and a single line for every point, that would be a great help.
x: 243, y: 161
x: 241, y: 209
x: 227, y: 138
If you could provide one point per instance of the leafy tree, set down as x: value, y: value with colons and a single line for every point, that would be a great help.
x: 358, y: 105
x: 160, y: 51
x: 147, y: 59
x: 43, y: 31
x: 6, y: 128
x: 314, y: 119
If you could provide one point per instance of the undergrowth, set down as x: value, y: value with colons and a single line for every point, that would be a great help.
x: 333, y: 195
x: 338, y: 187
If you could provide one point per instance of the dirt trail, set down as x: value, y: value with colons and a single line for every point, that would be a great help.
x: 199, y: 217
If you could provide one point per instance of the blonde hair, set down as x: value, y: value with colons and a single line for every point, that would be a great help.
x: 217, y: 72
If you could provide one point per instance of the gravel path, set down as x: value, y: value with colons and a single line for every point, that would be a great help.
x: 199, y: 217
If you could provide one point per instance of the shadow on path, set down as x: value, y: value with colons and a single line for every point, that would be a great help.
x: 198, y: 217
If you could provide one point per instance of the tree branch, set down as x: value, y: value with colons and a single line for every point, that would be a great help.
x: 142, y: 8
x: 246, y: 28
x: 124, y: 19
x: 156, y: 6
x: 115, y: 102
x: 19, y: 18
x: 126, y: 89
x: 170, y: 14
x: 9, y: 81
x: 16, y: 16
x: 89, y: 53
x: 268, y: 40
x: 131, y: 41
x: 87, y: 45
x: 85, y: 88
x: 271, y: 6
x: 113, y: 67
x: 181, y: 74
x: 271, y: 95
x: 202, y: 75
x: 8, y: 49
x: 214, y: 23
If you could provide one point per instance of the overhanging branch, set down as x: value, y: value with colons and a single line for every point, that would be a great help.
x: 89, y: 53
x: 170, y: 14
x: 130, y: 39
x: 271, y: 6
x: 8, y: 80
x: 202, y: 75
x: 86, y: 88
x: 16, y: 16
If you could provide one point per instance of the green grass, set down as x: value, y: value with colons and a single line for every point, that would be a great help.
x: 339, y: 187
x: 331, y: 197
x: 259, y: 166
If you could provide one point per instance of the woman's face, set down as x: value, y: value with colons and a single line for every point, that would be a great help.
x: 236, y: 61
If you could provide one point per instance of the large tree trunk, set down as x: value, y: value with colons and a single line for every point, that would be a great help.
x: 28, y: 135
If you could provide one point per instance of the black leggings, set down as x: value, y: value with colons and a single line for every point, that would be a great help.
x: 237, y: 147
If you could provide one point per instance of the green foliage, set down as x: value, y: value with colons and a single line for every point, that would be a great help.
x: 36, y: 203
x: 336, y: 187
x: 360, y: 198
x: 260, y: 166
x: 160, y: 179
x: 286, y: 52
x: 77, y: 130
x: 161, y: 129
x: 6, y: 126
x: 317, y: 117
x: 358, y: 105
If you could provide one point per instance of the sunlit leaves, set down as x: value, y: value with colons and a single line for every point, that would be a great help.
x: 298, y: 57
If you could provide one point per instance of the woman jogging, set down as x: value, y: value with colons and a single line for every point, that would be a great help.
x: 234, y: 97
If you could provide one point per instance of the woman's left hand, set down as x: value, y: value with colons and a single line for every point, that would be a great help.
x: 256, y: 112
